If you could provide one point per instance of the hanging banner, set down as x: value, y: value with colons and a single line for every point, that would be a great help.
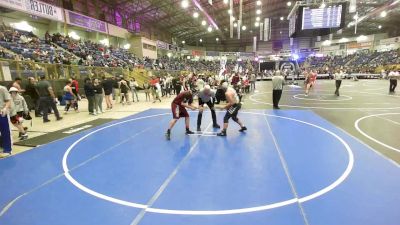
x: 35, y: 7
x: 254, y: 43
x: 212, y: 53
x: 80, y: 20
x: 197, y: 53
x: 162, y: 45
x: 267, y: 29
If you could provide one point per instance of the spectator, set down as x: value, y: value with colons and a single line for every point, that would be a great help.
x: 146, y: 87
x: 134, y: 85
x: 33, y: 94
x: 17, y: 84
x: 90, y: 95
x: 253, y: 80
x: 18, y: 109
x: 124, y: 87
x: 47, y: 99
x: 108, y: 88
x: 98, y: 96
x: 5, y: 138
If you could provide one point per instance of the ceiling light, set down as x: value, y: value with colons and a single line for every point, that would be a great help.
x: 244, y: 27
x: 185, y: 4
x: 258, y: 11
x: 229, y: 11
x: 282, y: 18
x: 289, y: 4
x: 362, y: 38
x: 233, y: 18
x: 323, y: 5
x: 258, y: 2
x: 257, y: 18
x: 226, y: 1
x: 327, y: 43
x: 217, y: 39
x: 235, y: 24
x: 380, y: 27
x: 383, y: 14
x: 256, y: 24
x: 195, y: 14
x: 209, y: 29
x: 183, y: 42
x: 201, y: 40
x: 203, y: 23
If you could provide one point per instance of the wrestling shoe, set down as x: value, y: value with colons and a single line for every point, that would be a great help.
x: 189, y: 132
x: 216, y: 126
x: 222, y: 134
x: 243, y: 129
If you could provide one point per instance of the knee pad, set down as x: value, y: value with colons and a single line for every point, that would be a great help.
x: 235, y: 119
x: 226, y: 118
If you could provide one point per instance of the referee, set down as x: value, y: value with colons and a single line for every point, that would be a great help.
x: 277, y: 84
x: 206, y: 96
x: 338, y: 76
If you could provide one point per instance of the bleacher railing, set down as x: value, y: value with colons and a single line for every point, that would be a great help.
x: 10, y: 69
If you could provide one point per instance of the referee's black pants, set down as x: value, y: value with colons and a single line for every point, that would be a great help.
x: 276, y: 97
x: 393, y: 85
x: 338, y: 84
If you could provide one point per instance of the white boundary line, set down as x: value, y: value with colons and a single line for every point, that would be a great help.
x: 317, y: 194
x: 357, y: 126
x: 287, y: 172
x: 167, y: 181
x: 251, y: 98
x: 347, y: 98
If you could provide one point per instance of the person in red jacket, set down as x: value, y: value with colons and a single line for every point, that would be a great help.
x: 178, y: 106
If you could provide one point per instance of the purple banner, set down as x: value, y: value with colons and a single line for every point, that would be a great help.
x: 86, y: 22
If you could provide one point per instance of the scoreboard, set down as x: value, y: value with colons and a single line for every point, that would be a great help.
x: 319, y: 18
x: 311, y: 21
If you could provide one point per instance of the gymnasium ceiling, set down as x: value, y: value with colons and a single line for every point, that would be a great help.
x: 168, y: 15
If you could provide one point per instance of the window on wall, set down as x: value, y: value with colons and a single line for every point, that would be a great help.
x: 149, y: 47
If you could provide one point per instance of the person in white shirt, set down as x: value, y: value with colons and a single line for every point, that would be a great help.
x: 393, y: 76
x: 200, y: 83
x: 338, y: 76
x: 253, y: 80
x: 18, y: 108
x: 277, y: 85
x: 134, y: 85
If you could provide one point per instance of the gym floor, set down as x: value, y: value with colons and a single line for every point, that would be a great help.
x: 321, y: 160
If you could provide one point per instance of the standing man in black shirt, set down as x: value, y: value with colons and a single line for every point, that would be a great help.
x: 108, y: 88
x: 31, y: 91
x: 47, y: 99
x: 89, y: 92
